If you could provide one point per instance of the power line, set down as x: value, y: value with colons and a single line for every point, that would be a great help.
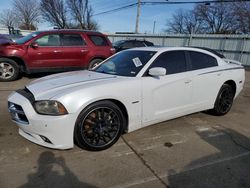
x: 103, y: 5
x: 117, y: 9
x: 192, y: 2
x: 166, y: 3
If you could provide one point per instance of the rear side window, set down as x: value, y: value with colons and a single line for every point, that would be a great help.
x: 128, y: 44
x: 139, y: 44
x: 49, y: 40
x: 148, y: 43
x: 98, y: 40
x: 72, y: 40
x: 172, y: 61
x: 201, y: 60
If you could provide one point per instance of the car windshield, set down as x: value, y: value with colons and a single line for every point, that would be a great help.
x: 125, y: 63
x: 27, y: 38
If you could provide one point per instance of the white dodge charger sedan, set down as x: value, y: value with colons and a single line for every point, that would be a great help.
x: 130, y: 90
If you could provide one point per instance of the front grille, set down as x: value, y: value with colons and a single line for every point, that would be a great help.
x: 17, y: 113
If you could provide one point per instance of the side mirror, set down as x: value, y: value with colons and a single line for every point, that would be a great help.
x: 34, y: 45
x: 157, y: 71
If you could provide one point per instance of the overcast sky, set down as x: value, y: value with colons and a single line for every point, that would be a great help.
x: 124, y: 20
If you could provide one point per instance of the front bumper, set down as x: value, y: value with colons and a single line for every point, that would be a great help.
x: 49, y: 131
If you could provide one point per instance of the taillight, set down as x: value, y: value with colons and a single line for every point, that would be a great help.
x: 112, y: 50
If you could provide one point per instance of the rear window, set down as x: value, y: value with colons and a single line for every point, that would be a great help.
x: 149, y: 43
x: 201, y: 60
x: 98, y: 40
x: 139, y: 44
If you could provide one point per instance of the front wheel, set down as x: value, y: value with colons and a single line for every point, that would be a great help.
x: 99, y: 126
x: 9, y: 70
x: 94, y: 63
x: 224, y: 100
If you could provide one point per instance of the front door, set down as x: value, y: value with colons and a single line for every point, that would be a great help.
x: 168, y: 96
x: 48, y: 54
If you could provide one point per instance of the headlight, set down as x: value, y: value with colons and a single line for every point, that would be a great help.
x: 50, y: 108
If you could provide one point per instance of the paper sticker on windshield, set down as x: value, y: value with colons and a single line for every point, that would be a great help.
x: 137, y: 62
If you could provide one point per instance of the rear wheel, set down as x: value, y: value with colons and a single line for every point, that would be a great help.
x: 9, y: 70
x: 224, y: 100
x: 94, y: 63
x: 99, y: 126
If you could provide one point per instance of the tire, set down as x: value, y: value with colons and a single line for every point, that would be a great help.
x: 99, y: 126
x: 9, y: 70
x: 94, y: 63
x: 224, y: 100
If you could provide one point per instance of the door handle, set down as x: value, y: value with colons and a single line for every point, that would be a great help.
x: 83, y: 51
x: 57, y: 51
x: 187, y: 81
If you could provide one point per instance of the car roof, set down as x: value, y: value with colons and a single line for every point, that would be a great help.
x: 162, y: 49
x: 210, y: 50
x: 128, y: 40
x: 72, y: 31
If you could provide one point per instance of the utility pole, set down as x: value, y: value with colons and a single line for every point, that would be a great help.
x: 154, y: 27
x: 138, y: 16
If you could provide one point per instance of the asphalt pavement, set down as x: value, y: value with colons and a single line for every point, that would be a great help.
x: 195, y: 151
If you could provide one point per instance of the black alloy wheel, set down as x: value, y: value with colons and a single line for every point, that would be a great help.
x: 9, y: 70
x: 224, y: 100
x: 99, y: 126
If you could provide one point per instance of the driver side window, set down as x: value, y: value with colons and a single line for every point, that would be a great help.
x: 172, y: 61
x: 49, y: 40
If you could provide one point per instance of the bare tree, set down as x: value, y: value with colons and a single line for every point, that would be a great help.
x: 55, y: 12
x: 28, y: 12
x: 176, y: 24
x: 91, y: 24
x: 241, y: 11
x: 184, y: 22
x: 82, y: 14
x: 220, y: 18
x: 215, y: 18
x: 8, y: 18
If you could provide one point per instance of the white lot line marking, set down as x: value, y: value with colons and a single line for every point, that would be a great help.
x: 137, y: 182
x: 209, y: 163
x: 153, y: 178
x: 175, y: 134
x: 151, y: 147
x: 216, y: 134
x: 202, y: 129
x: 211, y: 131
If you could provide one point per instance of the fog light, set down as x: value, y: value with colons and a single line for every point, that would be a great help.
x: 45, y: 139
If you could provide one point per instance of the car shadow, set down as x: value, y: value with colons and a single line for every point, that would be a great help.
x: 53, y: 172
x: 228, y: 167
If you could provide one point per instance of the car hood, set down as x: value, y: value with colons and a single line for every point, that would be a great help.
x: 54, y: 84
x: 5, y: 41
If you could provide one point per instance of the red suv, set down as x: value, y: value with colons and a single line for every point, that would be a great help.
x: 55, y: 50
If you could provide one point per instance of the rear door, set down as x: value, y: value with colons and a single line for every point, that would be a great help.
x: 74, y: 49
x: 206, y: 79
